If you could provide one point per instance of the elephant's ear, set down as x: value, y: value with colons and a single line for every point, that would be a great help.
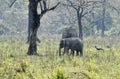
x: 61, y: 42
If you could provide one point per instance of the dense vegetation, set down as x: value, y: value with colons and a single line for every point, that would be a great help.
x: 15, y: 64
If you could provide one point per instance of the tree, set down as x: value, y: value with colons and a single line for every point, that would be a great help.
x: 82, y: 8
x: 105, y: 5
x: 103, y: 16
x: 34, y: 22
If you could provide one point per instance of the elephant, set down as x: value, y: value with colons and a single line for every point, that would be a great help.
x: 73, y: 43
x: 69, y: 32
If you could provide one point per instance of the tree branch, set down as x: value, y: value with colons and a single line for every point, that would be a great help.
x: 114, y: 8
x: 12, y: 3
x: 71, y: 4
x: 46, y: 10
x: 92, y: 8
x: 54, y: 6
x: 45, y: 6
x: 41, y: 7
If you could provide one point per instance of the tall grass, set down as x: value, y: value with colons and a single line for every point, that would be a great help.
x: 15, y: 64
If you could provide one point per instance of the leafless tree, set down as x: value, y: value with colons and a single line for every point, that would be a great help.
x: 34, y: 22
x: 82, y: 8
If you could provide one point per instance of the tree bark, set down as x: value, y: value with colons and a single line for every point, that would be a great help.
x: 30, y: 22
x: 79, y: 17
x: 103, y: 17
x: 34, y: 22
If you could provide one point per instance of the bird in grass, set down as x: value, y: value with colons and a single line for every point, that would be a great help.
x: 98, y: 48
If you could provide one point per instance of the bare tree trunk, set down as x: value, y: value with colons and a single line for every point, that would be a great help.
x: 103, y: 17
x: 80, y: 24
x: 103, y: 28
x: 34, y: 22
x: 30, y: 17
x: 32, y: 50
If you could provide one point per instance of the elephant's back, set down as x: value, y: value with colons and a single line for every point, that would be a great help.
x: 76, y: 40
x: 76, y: 43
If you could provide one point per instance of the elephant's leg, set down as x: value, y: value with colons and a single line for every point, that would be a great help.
x: 77, y: 53
x: 72, y: 52
x: 65, y: 50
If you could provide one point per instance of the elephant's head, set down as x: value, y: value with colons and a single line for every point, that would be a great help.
x: 61, y: 45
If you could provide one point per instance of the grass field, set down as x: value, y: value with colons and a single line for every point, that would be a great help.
x: 15, y: 64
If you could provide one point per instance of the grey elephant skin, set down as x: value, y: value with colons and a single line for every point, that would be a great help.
x: 74, y: 43
x: 69, y: 32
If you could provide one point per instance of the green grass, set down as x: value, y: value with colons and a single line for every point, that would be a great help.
x: 15, y: 64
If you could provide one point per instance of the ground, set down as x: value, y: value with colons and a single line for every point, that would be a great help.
x: 16, y: 64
